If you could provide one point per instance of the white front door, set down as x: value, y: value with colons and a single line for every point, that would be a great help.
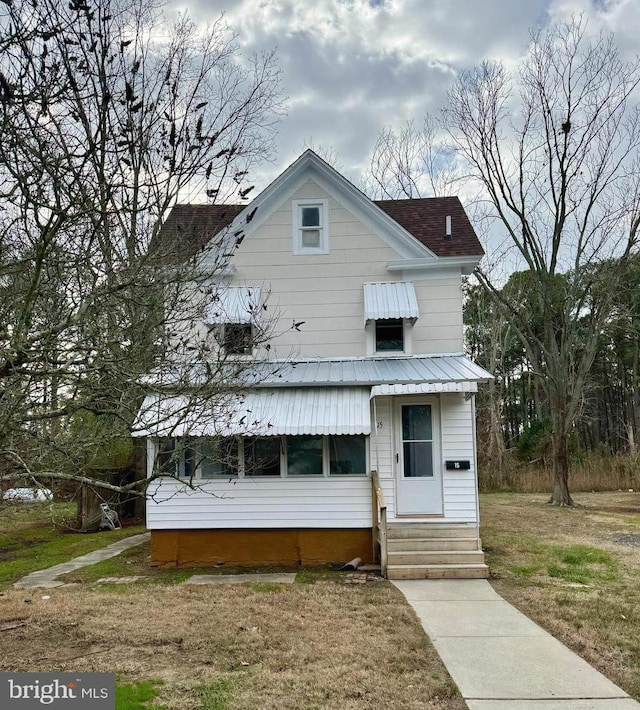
x: 418, y: 465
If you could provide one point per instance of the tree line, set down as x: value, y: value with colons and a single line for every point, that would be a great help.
x: 514, y: 411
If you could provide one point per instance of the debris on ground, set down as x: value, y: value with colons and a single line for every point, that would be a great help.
x: 361, y: 578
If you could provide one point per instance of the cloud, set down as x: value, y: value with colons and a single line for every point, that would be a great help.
x: 351, y: 67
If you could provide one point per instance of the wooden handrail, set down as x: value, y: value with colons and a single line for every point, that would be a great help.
x: 379, y: 513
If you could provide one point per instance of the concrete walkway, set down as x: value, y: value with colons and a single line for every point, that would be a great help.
x: 46, y: 578
x: 499, y: 658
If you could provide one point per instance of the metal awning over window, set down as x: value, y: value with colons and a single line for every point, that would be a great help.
x: 235, y: 304
x: 424, y: 388
x: 263, y: 412
x: 395, y: 299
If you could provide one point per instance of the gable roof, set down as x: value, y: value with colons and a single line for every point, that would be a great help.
x: 189, y: 228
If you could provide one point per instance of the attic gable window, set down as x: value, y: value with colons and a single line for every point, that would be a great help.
x: 310, y: 220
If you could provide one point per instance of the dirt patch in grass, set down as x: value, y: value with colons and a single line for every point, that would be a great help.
x: 319, y: 644
x: 575, y: 571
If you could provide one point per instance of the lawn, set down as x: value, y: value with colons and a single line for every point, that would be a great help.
x: 37, y: 535
x: 323, y: 642
x: 576, y: 572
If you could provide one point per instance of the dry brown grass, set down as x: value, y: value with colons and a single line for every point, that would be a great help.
x: 324, y: 644
x: 596, y: 473
x: 574, y: 571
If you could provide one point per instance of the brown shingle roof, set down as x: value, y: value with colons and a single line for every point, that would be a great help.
x: 425, y: 218
x: 188, y: 228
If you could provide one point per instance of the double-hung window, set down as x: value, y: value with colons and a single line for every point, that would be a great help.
x: 310, y: 220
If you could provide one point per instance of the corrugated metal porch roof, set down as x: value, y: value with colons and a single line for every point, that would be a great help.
x: 372, y: 371
x: 264, y: 412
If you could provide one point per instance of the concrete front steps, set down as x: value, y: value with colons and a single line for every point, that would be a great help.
x: 434, y: 551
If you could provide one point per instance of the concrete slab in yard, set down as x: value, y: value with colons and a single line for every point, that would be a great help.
x: 582, y: 704
x: 535, y: 667
x: 46, y: 578
x: 285, y: 578
x: 446, y: 589
x: 474, y: 618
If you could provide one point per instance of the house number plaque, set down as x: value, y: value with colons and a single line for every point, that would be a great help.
x: 457, y: 465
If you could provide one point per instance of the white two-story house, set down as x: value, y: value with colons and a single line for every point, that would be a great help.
x: 361, y: 442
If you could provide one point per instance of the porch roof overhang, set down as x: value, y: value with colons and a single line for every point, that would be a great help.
x: 424, y: 388
x: 293, y: 411
x: 407, y: 370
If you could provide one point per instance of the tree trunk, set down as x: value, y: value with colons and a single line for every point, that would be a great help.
x: 496, y: 449
x: 560, y: 456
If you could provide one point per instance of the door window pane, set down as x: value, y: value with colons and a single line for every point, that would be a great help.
x: 304, y: 455
x: 347, y: 455
x: 262, y: 456
x: 418, y: 459
x: 416, y: 422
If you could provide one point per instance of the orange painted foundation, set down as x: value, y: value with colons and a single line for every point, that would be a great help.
x: 243, y: 548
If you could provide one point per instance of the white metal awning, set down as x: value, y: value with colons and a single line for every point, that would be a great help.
x: 264, y: 412
x: 395, y: 299
x: 424, y: 388
x: 234, y: 304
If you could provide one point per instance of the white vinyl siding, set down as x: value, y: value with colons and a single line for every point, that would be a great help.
x: 382, y: 437
x: 325, y: 291
x: 457, y: 443
x: 311, y: 502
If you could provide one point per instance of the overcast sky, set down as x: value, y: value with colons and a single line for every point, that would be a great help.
x: 351, y: 67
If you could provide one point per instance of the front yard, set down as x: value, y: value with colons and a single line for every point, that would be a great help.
x: 325, y: 641
x: 576, y: 572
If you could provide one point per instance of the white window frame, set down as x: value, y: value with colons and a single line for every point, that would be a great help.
x: 196, y: 443
x: 370, y: 334
x: 297, y: 228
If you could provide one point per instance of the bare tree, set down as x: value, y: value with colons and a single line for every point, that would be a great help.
x: 555, y: 150
x: 108, y: 116
x: 328, y: 153
x: 411, y: 162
